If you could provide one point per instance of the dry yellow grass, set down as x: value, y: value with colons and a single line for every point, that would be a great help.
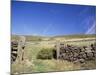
x: 31, y: 64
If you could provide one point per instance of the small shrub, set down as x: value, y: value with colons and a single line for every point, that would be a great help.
x: 45, y: 54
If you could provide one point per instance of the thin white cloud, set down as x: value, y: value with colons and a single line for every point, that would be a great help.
x: 46, y: 29
x: 92, y: 29
x: 83, y: 12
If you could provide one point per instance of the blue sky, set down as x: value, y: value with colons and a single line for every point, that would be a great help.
x: 50, y: 19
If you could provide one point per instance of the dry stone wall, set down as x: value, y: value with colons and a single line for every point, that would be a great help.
x: 77, y: 54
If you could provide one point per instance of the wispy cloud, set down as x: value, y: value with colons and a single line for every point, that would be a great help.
x: 88, y: 23
x: 84, y: 11
x: 46, y: 29
x: 92, y: 29
x: 28, y: 30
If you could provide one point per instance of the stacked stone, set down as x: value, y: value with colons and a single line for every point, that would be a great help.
x: 77, y: 54
x: 14, y: 50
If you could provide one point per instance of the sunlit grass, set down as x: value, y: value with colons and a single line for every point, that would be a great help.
x: 31, y: 64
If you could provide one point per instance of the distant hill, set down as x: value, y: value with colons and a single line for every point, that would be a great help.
x: 28, y: 37
x: 77, y: 36
x: 41, y: 38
